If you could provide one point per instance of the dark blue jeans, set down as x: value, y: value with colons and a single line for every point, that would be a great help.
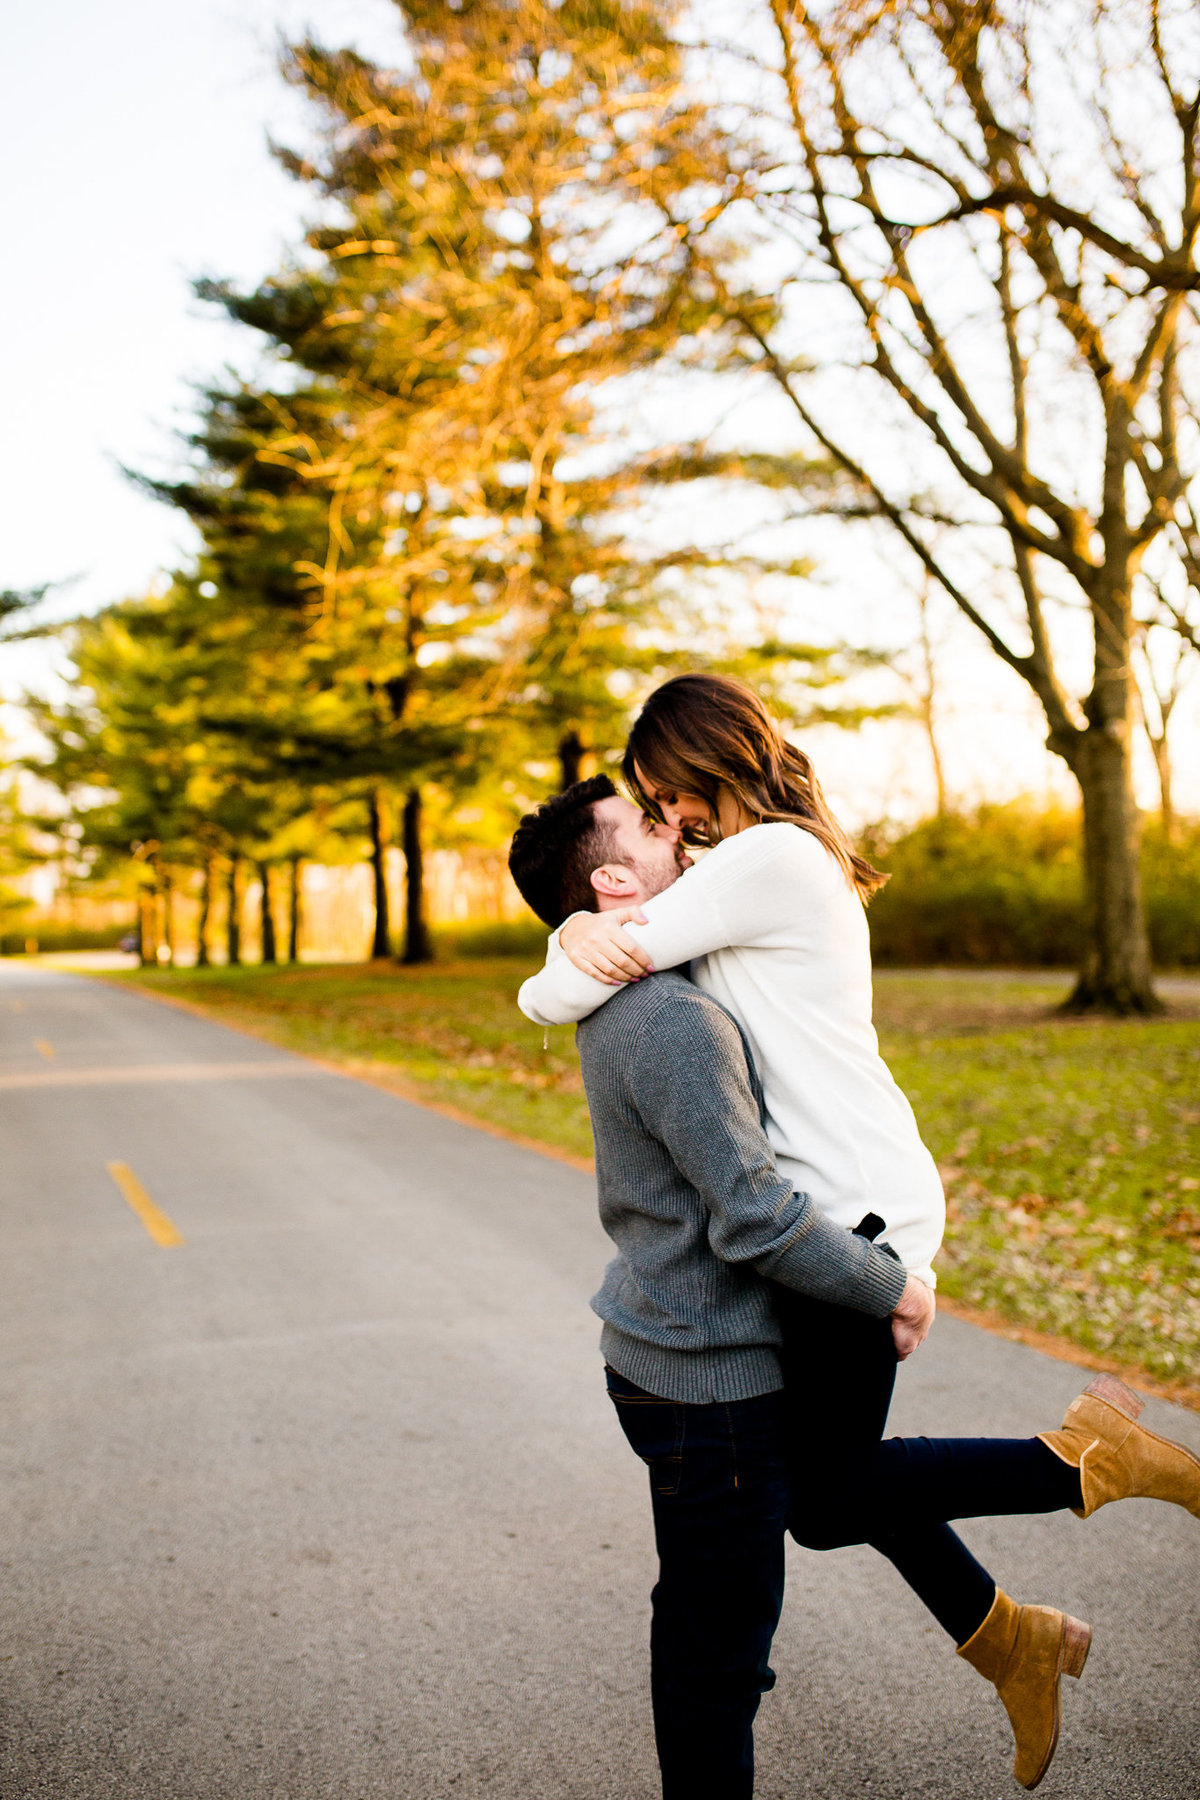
x: 852, y: 1486
x: 719, y: 1488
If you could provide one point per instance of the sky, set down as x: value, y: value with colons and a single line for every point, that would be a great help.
x: 135, y: 142
x: 136, y: 158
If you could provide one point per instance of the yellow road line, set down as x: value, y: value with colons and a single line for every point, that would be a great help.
x: 17, y: 1005
x: 155, y: 1221
x: 46, y: 1049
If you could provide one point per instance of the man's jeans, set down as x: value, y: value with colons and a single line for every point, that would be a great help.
x: 719, y: 1487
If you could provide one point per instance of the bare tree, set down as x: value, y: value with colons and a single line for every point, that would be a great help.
x: 927, y: 700
x: 995, y: 204
x: 1159, y: 688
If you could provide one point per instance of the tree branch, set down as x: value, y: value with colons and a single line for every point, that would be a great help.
x: 1171, y: 272
x: 889, y: 510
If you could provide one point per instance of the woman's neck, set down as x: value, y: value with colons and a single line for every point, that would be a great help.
x: 732, y: 816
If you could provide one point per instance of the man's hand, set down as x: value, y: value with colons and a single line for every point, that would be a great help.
x: 913, y: 1317
x: 596, y: 944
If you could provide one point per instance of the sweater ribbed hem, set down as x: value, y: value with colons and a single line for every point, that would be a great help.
x: 831, y: 1263
x: 696, y: 1377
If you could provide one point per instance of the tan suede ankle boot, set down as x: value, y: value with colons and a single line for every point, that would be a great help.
x: 1117, y: 1458
x: 1024, y: 1651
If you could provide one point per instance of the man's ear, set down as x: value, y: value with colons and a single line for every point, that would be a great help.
x: 613, y: 881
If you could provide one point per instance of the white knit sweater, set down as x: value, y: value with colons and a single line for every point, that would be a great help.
x: 772, y: 928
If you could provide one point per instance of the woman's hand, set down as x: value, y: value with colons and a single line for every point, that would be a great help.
x: 913, y: 1317
x: 596, y: 944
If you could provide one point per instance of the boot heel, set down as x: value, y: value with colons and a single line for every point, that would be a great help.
x: 1115, y: 1393
x: 1077, y: 1641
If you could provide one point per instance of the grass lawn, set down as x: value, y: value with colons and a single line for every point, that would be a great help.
x: 1070, y: 1150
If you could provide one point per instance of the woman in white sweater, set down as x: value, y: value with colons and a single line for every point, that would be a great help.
x: 771, y: 921
x: 772, y: 924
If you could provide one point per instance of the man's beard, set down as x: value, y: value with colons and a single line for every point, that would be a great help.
x: 654, y: 878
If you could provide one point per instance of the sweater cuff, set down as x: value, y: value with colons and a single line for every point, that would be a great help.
x: 881, y: 1281
x: 831, y: 1263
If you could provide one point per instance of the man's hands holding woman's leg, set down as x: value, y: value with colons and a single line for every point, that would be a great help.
x: 913, y: 1317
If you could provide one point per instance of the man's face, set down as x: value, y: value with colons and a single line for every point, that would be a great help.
x: 653, y: 854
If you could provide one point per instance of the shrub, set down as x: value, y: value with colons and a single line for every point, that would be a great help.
x: 1171, y: 873
x: 62, y: 937
x: 1003, y: 886
x: 508, y: 937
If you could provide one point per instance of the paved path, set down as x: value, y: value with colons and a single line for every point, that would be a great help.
x: 325, y: 1502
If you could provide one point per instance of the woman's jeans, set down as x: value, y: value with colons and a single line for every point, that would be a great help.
x: 848, y: 1487
x: 719, y: 1487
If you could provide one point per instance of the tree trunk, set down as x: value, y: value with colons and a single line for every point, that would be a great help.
x: 935, y: 757
x: 571, y: 752
x: 294, y: 914
x: 1115, y: 975
x: 266, y: 916
x: 233, y: 923
x: 147, y: 926
x: 1160, y: 740
x: 168, y: 900
x: 1162, y: 762
x: 381, y: 943
x: 928, y: 703
x: 418, y: 946
x: 206, y: 900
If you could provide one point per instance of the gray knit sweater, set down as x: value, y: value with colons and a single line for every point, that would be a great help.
x: 690, y: 1195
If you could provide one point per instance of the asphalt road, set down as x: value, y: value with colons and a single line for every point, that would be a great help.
x: 326, y: 1501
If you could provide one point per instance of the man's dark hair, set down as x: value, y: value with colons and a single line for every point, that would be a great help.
x: 555, y: 849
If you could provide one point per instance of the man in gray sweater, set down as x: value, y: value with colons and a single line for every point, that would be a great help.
x: 703, y: 1223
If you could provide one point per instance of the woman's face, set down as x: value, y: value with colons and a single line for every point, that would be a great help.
x: 691, y: 812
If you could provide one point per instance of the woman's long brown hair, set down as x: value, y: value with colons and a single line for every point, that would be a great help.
x: 699, y: 734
